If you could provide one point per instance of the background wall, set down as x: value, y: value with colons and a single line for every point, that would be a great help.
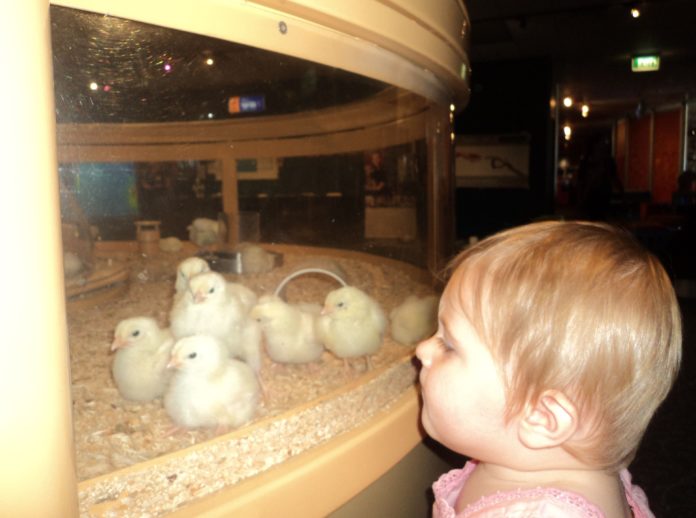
x: 508, y: 97
x: 648, y: 153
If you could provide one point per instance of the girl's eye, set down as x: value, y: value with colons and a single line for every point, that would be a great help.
x: 445, y: 345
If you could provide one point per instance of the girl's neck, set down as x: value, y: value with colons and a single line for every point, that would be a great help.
x: 603, y: 489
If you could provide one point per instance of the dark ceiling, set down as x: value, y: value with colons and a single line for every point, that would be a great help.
x: 590, y: 43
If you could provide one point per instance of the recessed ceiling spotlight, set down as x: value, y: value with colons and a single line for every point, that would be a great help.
x: 210, y: 62
x: 93, y: 85
x: 568, y: 101
x: 585, y: 110
x: 567, y: 132
x: 635, y: 12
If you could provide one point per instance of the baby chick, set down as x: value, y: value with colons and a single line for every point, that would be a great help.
x: 204, y: 231
x: 352, y: 323
x: 210, y: 307
x: 186, y: 269
x: 245, y: 295
x: 414, y: 319
x: 289, y: 330
x: 142, y: 352
x: 255, y: 259
x: 209, y: 389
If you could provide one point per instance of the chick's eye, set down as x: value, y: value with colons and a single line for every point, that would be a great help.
x: 340, y: 304
x: 192, y: 355
x: 211, y: 290
x: 135, y: 333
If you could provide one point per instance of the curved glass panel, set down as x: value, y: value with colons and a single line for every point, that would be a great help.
x: 159, y: 131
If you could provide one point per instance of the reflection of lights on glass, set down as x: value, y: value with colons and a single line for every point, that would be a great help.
x: 93, y: 86
x: 107, y: 88
x: 567, y: 101
x: 563, y: 164
x: 552, y: 102
x: 211, y: 115
x: 452, y: 136
x: 567, y: 132
x: 635, y: 12
x: 452, y: 107
x: 210, y: 62
x: 585, y: 110
x: 167, y: 67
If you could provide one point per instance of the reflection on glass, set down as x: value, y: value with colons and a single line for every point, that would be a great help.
x: 117, y: 72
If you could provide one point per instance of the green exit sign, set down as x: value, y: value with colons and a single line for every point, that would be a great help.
x: 645, y: 63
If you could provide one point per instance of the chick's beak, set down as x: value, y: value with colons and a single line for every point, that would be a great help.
x: 198, y: 297
x: 118, y: 343
x: 326, y: 310
x: 173, y: 363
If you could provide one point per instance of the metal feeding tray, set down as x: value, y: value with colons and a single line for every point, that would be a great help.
x: 229, y: 261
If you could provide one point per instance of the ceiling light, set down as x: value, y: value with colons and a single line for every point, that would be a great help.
x: 585, y: 110
x: 567, y: 101
x: 635, y: 12
x: 210, y: 62
x: 93, y: 86
x: 567, y: 131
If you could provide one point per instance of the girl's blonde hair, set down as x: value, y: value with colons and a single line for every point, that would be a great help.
x: 582, y: 308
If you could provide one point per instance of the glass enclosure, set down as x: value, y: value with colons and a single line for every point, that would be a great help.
x: 320, y: 137
x: 160, y: 124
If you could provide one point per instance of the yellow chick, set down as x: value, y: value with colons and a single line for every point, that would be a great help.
x: 255, y: 259
x: 414, y: 319
x: 289, y: 330
x: 352, y: 323
x: 245, y: 295
x: 187, y: 269
x: 211, y: 307
x: 209, y: 389
x: 142, y: 350
x: 204, y: 231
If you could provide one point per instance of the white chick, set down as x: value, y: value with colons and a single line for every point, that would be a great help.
x: 204, y: 231
x: 352, y: 323
x: 289, y: 330
x: 414, y: 319
x: 255, y: 259
x: 245, y: 295
x: 72, y: 264
x: 210, y: 307
x: 170, y: 244
x: 209, y: 389
x: 186, y: 269
x: 140, y: 363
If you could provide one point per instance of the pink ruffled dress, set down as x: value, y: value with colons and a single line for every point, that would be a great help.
x: 541, y: 502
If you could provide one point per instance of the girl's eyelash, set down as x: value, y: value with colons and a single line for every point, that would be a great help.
x: 444, y: 344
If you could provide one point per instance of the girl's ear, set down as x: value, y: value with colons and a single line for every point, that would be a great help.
x: 549, y: 422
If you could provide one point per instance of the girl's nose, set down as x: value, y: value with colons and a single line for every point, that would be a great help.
x: 425, y: 351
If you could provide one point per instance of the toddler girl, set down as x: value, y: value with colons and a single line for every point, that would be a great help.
x: 556, y: 343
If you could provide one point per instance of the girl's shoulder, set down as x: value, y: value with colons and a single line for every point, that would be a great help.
x: 523, y: 503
